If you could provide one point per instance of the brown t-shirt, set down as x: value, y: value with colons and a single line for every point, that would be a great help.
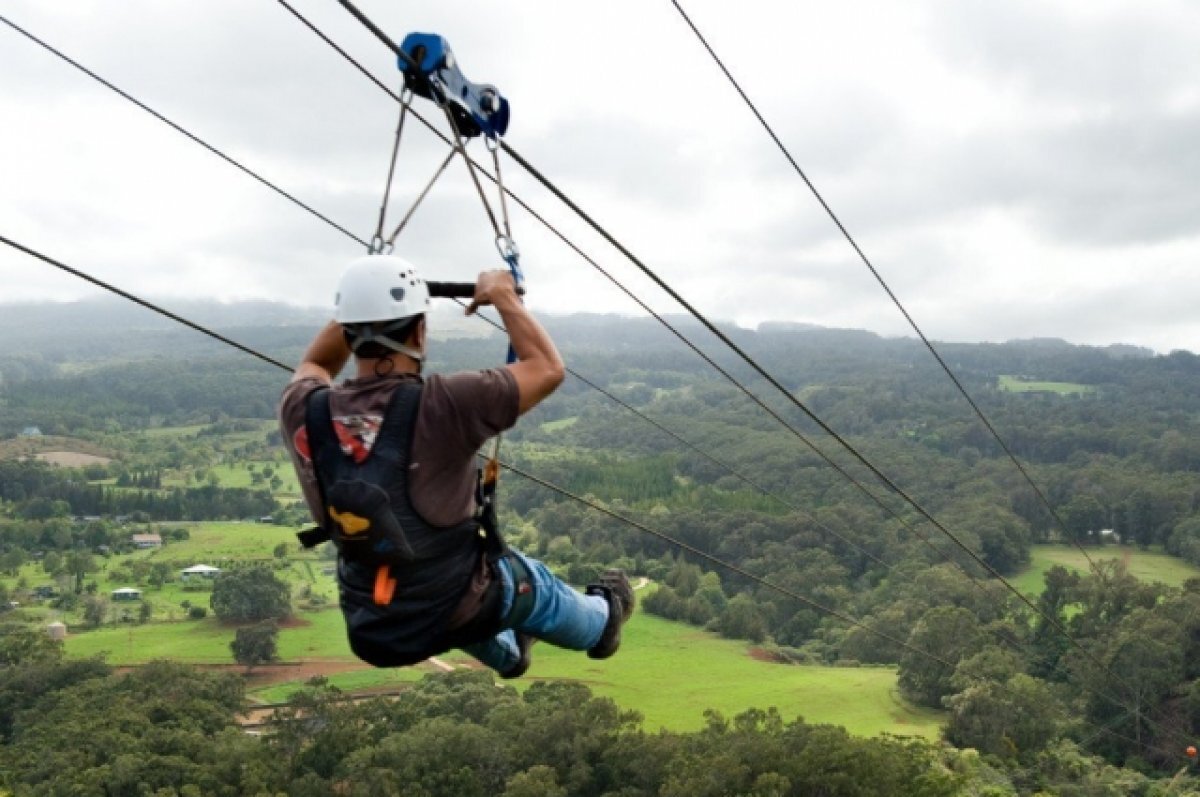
x: 457, y: 414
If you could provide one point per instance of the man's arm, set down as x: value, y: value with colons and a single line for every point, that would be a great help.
x: 325, y: 356
x: 539, y: 368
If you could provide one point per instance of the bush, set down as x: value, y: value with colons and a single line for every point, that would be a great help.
x: 197, y: 613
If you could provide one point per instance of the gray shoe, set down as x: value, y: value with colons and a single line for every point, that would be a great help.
x: 616, y: 590
x: 525, y: 645
x: 616, y: 580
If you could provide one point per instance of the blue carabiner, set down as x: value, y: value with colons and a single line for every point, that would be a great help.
x: 512, y: 256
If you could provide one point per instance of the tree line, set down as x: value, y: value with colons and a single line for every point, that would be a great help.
x: 167, y: 730
x: 38, y: 491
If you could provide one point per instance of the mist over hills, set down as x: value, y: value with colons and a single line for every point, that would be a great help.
x: 41, y: 340
x: 54, y: 322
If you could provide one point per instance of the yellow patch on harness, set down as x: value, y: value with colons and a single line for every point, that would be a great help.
x: 351, y: 523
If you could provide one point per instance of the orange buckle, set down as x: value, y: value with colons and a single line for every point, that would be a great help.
x: 385, y: 586
x: 491, y: 471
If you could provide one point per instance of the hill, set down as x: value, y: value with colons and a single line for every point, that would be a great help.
x: 819, y: 566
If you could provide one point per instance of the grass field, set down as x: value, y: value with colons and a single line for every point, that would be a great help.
x: 560, y: 424
x: 668, y: 671
x: 1016, y: 384
x: 226, y: 540
x: 1145, y: 565
x: 671, y: 673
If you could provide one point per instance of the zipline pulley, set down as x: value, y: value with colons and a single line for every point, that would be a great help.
x: 431, y: 71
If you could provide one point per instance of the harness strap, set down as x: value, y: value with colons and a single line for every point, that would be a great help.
x: 316, y: 410
x: 311, y: 538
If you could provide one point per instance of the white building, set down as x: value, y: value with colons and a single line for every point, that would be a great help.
x: 199, y: 571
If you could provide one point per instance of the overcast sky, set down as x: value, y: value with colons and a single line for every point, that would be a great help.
x: 1013, y: 169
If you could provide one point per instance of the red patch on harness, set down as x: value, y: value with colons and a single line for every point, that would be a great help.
x: 356, y: 434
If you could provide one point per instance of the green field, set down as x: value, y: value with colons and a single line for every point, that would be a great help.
x: 670, y: 673
x: 1017, y: 384
x: 240, y: 475
x: 560, y: 424
x: 1145, y: 565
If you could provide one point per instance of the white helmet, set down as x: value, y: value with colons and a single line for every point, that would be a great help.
x: 380, y: 288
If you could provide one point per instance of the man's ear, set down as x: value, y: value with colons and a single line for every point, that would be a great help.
x: 417, y: 339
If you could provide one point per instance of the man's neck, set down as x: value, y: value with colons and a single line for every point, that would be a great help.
x: 386, y: 366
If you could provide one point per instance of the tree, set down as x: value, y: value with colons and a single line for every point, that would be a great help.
x: 1010, y: 719
x: 950, y: 634
x: 255, y: 644
x: 742, y: 619
x: 11, y: 561
x: 537, y: 781
x: 21, y: 645
x: 52, y: 563
x: 78, y: 564
x: 95, y: 609
x: 250, y: 594
x: 160, y: 573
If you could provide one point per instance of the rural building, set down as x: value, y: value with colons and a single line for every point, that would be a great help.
x: 31, y: 431
x: 146, y: 541
x: 57, y: 631
x: 196, y: 572
x: 126, y: 594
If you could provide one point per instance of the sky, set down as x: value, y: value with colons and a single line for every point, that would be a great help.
x: 1012, y: 170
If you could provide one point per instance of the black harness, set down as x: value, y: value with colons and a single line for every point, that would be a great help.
x: 409, y: 590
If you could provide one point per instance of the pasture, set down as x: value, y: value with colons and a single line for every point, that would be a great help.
x: 670, y: 673
x: 1020, y: 384
x: 1145, y: 565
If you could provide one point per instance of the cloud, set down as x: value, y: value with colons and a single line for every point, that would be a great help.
x: 1009, y: 168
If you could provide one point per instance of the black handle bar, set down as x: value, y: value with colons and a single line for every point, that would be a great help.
x: 456, y: 290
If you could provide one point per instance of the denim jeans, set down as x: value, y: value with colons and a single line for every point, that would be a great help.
x: 560, y: 615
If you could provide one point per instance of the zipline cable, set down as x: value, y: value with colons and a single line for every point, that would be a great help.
x: 726, y: 467
x: 762, y: 372
x: 512, y: 468
x: 399, y: 98
x: 883, y: 284
x: 729, y: 343
x: 528, y: 476
x: 180, y: 129
x: 542, y: 179
x: 686, y: 341
x: 144, y: 303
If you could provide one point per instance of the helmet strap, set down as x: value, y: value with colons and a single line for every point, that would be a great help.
x: 362, y: 334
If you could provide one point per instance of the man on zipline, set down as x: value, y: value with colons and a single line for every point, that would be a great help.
x: 387, y: 464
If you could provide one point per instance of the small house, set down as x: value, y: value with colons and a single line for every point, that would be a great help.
x: 144, y: 541
x: 57, y: 631
x: 126, y: 594
x: 31, y: 431
x: 196, y: 572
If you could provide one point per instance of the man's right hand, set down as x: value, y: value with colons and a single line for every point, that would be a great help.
x: 539, y: 368
x: 492, y: 287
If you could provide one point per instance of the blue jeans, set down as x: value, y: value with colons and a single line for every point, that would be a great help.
x: 560, y: 615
